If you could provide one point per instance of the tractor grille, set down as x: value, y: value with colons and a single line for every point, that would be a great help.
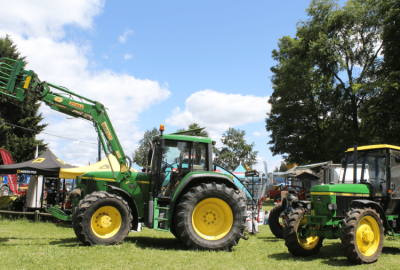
x: 343, y: 204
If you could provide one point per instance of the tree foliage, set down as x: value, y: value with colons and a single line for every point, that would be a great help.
x: 381, y: 112
x: 323, y: 77
x: 235, y: 150
x: 21, y: 143
x: 140, y: 154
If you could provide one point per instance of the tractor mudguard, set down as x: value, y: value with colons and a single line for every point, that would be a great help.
x: 374, y: 205
x: 128, y: 198
x: 197, y: 178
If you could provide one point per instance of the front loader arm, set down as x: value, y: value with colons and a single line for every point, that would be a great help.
x: 17, y: 83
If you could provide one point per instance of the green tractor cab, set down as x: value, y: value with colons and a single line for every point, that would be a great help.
x: 360, y: 214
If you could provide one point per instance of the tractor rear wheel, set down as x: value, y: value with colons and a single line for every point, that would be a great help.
x: 210, y: 217
x: 297, y: 242
x: 102, y: 219
x: 274, y: 222
x: 4, y: 191
x: 362, y: 235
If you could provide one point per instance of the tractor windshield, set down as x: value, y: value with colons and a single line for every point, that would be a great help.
x: 371, y: 168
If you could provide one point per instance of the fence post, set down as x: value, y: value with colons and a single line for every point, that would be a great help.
x: 36, y: 215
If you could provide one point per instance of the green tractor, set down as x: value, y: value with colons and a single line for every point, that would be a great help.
x: 360, y: 214
x: 178, y: 192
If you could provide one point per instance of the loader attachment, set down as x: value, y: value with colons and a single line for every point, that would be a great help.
x: 58, y: 213
x: 14, y: 81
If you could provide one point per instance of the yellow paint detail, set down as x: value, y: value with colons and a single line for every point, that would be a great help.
x: 376, y: 146
x: 106, y: 222
x: 77, y: 105
x: 309, y: 242
x: 127, y: 182
x: 62, y: 162
x: 107, y: 131
x: 28, y: 80
x: 58, y: 99
x: 118, y: 154
x: 340, y: 194
x: 99, y: 179
x: 142, y: 182
x: 38, y: 160
x: 18, y: 171
x: 59, y: 105
x: 368, y: 236
x: 212, y: 219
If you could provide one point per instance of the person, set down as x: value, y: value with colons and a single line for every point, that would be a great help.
x: 266, y: 218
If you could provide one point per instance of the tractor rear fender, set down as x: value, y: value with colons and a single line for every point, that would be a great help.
x: 196, y: 179
x: 132, y: 205
x: 373, y: 205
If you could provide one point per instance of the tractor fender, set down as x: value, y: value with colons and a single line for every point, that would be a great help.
x: 373, y: 205
x: 194, y: 179
x: 132, y: 204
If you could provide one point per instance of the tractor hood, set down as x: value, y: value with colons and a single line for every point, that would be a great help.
x: 347, y: 188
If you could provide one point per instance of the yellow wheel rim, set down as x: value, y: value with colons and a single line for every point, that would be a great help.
x: 308, y: 242
x: 106, y: 222
x: 368, y: 236
x: 212, y: 219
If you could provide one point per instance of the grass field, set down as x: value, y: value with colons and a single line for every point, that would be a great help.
x: 44, y: 245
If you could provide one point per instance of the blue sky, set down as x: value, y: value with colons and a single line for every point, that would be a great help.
x: 155, y: 62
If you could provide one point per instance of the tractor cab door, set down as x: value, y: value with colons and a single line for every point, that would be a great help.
x: 178, y: 159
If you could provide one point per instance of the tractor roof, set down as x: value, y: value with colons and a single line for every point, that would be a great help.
x: 375, y: 146
x: 187, y: 138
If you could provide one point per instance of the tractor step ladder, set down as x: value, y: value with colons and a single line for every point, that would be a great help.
x: 161, y: 217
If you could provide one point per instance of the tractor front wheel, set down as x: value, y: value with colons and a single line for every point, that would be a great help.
x: 102, y: 219
x: 210, y: 217
x: 362, y: 235
x: 275, y: 225
x: 298, y: 243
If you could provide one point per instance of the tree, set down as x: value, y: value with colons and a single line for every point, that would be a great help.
x: 19, y: 121
x: 381, y: 112
x: 323, y: 77
x: 235, y: 150
x: 282, y: 167
x: 202, y: 133
x: 140, y: 154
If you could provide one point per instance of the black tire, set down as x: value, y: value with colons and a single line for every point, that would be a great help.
x: 294, y: 239
x: 275, y: 226
x: 88, y: 211
x: 218, y: 198
x: 277, y: 198
x: 4, y: 191
x: 366, y: 219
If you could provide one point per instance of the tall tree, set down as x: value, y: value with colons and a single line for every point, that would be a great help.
x: 19, y: 121
x: 381, y: 113
x: 235, y: 150
x: 323, y: 77
x: 202, y: 133
x: 140, y: 154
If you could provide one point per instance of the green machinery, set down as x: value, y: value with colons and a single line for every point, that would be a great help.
x: 180, y: 192
x: 360, y: 214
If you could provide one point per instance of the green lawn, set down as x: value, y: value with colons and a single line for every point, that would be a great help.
x: 29, y: 245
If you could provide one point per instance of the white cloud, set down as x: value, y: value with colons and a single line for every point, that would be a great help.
x: 260, y: 134
x: 66, y: 64
x: 218, y: 111
x: 127, y: 56
x: 123, y: 37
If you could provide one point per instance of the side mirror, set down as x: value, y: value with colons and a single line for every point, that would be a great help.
x: 343, y: 161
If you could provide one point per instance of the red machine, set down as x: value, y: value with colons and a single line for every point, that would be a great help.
x: 5, y: 158
x: 275, y: 194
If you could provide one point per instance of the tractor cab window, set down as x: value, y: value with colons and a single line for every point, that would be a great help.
x: 371, y: 168
x: 395, y: 168
x: 178, y: 159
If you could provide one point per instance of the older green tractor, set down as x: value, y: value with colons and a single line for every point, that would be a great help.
x: 360, y: 214
x: 179, y: 192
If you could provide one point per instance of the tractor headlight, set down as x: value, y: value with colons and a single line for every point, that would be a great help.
x: 309, y: 206
x: 331, y: 206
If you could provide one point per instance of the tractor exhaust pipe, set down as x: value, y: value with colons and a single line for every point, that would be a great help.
x: 355, y: 164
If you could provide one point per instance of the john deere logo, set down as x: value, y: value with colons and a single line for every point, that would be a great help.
x: 38, y: 160
x: 104, y: 167
x: 80, y: 106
